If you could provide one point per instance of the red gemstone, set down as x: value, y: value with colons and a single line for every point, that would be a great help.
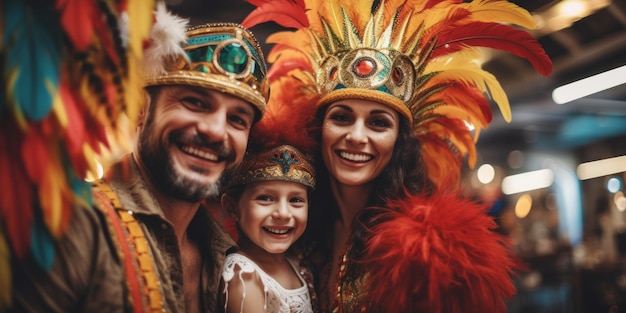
x: 365, y: 67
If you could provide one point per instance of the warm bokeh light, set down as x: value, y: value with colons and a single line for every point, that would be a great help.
x: 601, y: 168
x: 486, y: 173
x: 527, y: 181
x: 515, y: 159
x: 99, y: 173
x: 523, y: 205
x: 590, y: 85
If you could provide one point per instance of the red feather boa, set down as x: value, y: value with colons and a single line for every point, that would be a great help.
x: 438, y: 254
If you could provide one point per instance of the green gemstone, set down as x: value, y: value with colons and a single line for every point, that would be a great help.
x: 202, y: 54
x: 233, y: 58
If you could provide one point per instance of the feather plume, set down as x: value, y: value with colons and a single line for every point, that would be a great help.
x: 442, y: 248
x: 69, y: 73
x: 77, y: 21
x: 279, y: 125
x: 32, y: 44
x: 495, y: 36
x: 16, y: 202
x: 166, y: 37
x: 502, y: 11
x: 285, y: 13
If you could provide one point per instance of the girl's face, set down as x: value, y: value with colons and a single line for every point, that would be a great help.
x: 358, y: 137
x: 273, y: 214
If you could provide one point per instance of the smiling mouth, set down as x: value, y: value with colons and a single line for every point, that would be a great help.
x: 200, y: 154
x: 355, y: 157
x: 278, y: 231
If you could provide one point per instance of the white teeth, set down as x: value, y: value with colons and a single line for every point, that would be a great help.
x: 200, y: 154
x: 355, y: 157
x: 277, y: 231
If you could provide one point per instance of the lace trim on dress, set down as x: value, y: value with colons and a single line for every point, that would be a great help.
x: 277, y: 298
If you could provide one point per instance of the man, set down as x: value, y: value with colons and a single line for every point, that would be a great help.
x: 150, y: 245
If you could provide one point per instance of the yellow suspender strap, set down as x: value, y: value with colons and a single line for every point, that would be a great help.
x: 133, y: 250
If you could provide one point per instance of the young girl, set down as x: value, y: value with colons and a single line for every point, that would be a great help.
x: 268, y: 196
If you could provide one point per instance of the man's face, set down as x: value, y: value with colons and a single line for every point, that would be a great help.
x: 190, y: 136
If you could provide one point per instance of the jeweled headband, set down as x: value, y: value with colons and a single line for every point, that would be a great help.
x: 223, y: 56
x: 283, y: 163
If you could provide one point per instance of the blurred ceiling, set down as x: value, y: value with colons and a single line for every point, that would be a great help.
x: 586, y: 43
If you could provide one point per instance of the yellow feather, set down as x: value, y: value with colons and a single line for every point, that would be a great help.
x: 5, y: 273
x: 501, y: 11
x: 312, y: 11
x: 53, y: 184
x: 331, y: 11
x: 359, y: 10
x: 59, y: 109
x: 460, y: 66
x: 139, y: 26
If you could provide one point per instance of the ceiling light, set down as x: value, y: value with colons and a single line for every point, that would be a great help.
x: 601, y: 168
x: 590, y: 85
x: 527, y: 181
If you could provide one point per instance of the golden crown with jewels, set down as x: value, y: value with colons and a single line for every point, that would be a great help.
x: 222, y: 56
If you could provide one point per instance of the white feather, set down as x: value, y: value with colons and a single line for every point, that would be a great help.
x: 166, y: 39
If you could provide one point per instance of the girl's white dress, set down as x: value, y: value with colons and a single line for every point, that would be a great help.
x: 277, y: 298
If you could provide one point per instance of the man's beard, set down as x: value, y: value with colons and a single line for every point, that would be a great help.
x: 162, y: 169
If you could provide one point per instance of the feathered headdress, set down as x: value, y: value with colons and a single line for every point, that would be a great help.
x: 416, y: 56
x: 70, y: 69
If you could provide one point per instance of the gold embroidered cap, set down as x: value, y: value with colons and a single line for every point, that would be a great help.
x: 222, y: 56
x: 283, y: 163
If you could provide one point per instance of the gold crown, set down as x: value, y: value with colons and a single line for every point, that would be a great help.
x: 224, y: 56
x: 283, y: 163
x: 385, y: 76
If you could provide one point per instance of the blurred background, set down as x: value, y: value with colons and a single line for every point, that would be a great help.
x: 554, y: 176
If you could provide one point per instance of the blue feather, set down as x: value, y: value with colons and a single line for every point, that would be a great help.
x: 79, y: 186
x: 32, y: 41
x: 42, y: 245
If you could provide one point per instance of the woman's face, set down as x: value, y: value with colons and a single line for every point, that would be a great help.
x: 358, y: 137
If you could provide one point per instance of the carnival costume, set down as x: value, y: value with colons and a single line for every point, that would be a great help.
x: 433, y: 252
x: 64, y: 247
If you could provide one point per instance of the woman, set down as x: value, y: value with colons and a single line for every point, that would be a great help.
x: 395, y: 83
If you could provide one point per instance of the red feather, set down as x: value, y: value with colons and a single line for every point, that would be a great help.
x: 34, y: 154
x: 469, y: 98
x: 443, y: 253
x: 295, y: 61
x: 16, y: 204
x: 280, y: 125
x: 77, y: 20
x: 443, y: 164
x: 284, y: 12
x: 75, y: 131
x: 103, y: 33
x: 496, y: 36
